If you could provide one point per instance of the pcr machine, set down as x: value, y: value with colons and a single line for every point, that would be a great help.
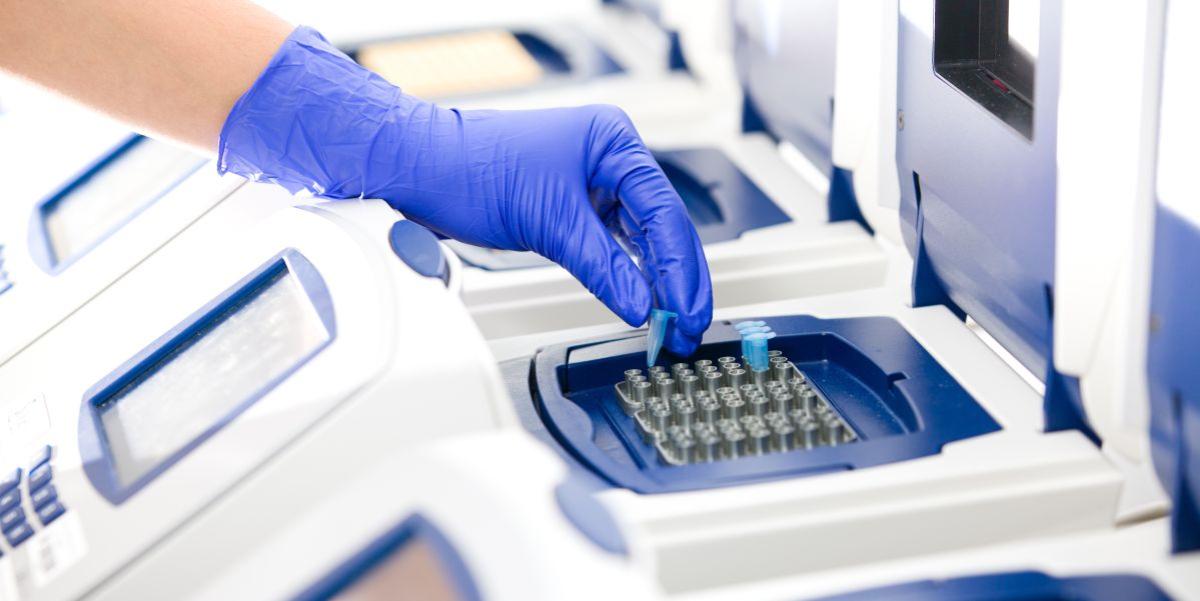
x: 912, y: 459
x: 895, y: 430
x: 264, y: 370
x: 304, y: 411
x: 78, y: 215
x: 761, y: 198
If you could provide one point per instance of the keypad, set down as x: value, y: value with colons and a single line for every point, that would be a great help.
x: 49, y: 512
x: 10, y: 499
x: 40, y: 476
x: 18, y: 533
x: 42, y: 496
x: 12, y: 517
x: 10, y: 480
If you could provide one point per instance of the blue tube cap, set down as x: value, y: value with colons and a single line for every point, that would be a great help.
x: 658, y: 332
x: 756, y: 347
x: 742, y: 326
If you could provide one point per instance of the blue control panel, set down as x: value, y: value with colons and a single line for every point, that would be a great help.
x: 721, y: 200
x: 29, y: 488
x: 895, y: 396
x: 1017, y: 586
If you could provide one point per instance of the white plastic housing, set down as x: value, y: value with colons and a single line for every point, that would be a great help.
x: 865, y: 119
x: 503, y: 522
x: 40, y: 159
x: 1137, y: 550
x: 405, y: 365
x: 1105, y: 224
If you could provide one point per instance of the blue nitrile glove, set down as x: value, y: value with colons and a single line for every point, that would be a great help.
x: 576, y: 185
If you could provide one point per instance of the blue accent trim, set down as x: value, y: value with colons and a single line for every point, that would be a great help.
x: 567, y: 58
x: 576, y: 499
x: 722, y: 202
x: 41, y: 248
x: 415, y: 527
x: 676, y: 61
x: 419, y: 249
x: 842, y: 202
x: 93, y: 444
x: 927, y: 291
x: 896, y: 396
x: 752, y: 122
x: 1173, y: 378
x: 1017, y: 586
x: 1063, y: 405
x: 977, y: 198
x: 1062, y: 402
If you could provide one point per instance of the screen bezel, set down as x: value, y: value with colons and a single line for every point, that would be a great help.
x: 375, y: 553
x: 41, y: 247
x: 98, y: 462
x: 972, y: 52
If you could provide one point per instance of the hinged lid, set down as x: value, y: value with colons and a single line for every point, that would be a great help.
x: 975, y: 153
x: 1014, y: 214
x: 785, y: 56
x: 1174, y: 324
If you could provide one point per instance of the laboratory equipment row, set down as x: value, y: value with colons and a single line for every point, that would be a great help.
x: 215, y: 390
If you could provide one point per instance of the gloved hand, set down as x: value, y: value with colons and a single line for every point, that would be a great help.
x: 575, y: 185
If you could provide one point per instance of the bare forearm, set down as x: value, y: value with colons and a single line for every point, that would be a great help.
x: 171, y: 67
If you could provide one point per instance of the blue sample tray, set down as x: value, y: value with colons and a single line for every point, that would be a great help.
x: 901, y: 403
x: 722, y: 202
x: 1017, y: 586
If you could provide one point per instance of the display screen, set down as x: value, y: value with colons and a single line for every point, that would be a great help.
x: 203, y: 378
x: 450, y: 64
x: 413, y: 572
x: 109, y: 196
x: 988, y: 49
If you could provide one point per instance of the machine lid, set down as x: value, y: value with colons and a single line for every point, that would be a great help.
x: 785, y: 56
x: 1174, y: 324
x: 975, y: 151
x: 988, y: 153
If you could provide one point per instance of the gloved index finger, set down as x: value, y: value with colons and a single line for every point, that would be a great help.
x: 676, y: 262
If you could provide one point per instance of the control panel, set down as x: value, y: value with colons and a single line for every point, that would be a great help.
x: 28, y: 499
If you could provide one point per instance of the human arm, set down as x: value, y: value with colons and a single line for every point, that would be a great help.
x: 172, y: 68
x: 576, y: 185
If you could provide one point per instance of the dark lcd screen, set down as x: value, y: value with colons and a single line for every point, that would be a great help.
x: 988, y: 49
